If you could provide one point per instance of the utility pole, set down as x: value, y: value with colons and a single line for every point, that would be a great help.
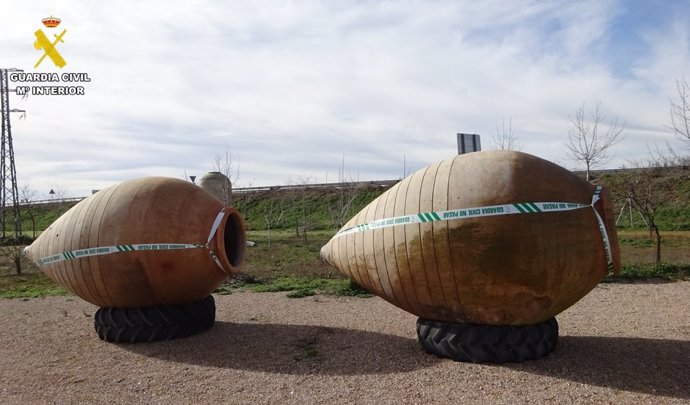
x: 9, y: 193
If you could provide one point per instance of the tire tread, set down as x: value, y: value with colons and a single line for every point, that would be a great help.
x: 150, y: 324
x: 487, y: 343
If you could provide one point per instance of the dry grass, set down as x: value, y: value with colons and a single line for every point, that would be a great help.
x: 638, y: 248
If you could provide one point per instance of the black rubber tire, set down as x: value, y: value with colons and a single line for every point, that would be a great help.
x: 487, y: 343
x: 150, y: 324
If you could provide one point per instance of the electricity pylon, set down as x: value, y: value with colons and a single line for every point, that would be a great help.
x: 9, y: 193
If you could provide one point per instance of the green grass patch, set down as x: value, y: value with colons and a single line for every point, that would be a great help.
x: 351, y: 289
x: 295, y: 204
x: 29, y: 286
x: 636, y: 242
x: 282, y: 252
x: 299, y: 287
x: 301, y: 293
x: 36, y: 218
x: 225, y: 289
x: 310, y: 351
x: 292, y: 283
x: 665, y: 271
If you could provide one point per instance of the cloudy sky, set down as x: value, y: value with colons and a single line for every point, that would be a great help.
x: 291, y: 88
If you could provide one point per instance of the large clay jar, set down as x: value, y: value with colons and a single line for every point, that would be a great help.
x: 151, y: 241
x: 517, y: 269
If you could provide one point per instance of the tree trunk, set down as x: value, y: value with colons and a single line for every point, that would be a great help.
x: 658, y: 244
x: 269, y: 237
x: 304, y: 230
x: 17, y: 259
x: 304, y: 219
x: 33, y: 225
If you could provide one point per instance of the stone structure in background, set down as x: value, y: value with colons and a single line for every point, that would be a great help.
x: 218, y: 185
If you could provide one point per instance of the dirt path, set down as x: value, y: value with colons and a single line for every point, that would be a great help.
x: 623, y: 343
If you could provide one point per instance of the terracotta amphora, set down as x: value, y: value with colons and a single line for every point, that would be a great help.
x: 495, y: 238
x: 145, y: 242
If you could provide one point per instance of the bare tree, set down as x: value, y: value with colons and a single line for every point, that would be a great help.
x: 660, y: 157
x: 15, y: 254
x: 189, y: 178
x: 588, y: 142
x: 274, y: 213
x: 680, y: 112
x: 27, y: 197
x: 223, y: 164
x: 406, y: 170
x: 347, y: 194
x: 304, y: 221
x: 648, y: 191
x: 59, y: 194
x: 14, y: 250
x: 504, y: 139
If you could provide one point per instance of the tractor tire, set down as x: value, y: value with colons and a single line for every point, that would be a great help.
x: 487, y: 343
x: 150, y: 324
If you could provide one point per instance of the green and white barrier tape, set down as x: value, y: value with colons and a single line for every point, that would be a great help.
x: 489, y: 211
x: 104, y: 250
x: 602, y: 230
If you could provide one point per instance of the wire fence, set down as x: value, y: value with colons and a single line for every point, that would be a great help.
x: 375, y: 183
x: 52, y: 201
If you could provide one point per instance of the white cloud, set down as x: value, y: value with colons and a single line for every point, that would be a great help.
x: 291, y: 87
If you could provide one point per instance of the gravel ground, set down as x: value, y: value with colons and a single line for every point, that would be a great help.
x: 623, y: 343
